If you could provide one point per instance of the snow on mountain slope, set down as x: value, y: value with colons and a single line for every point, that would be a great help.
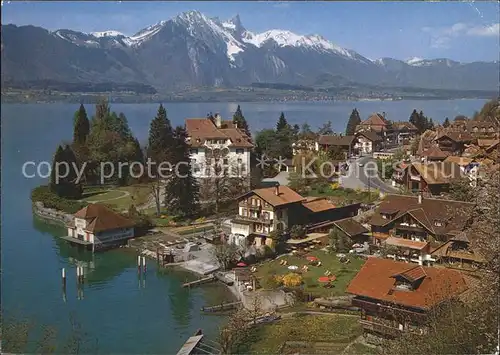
x: 107, y: 34
x: 413, y: 60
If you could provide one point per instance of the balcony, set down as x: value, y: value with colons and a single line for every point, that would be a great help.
x: 253, y: 219
x: 380, y: 328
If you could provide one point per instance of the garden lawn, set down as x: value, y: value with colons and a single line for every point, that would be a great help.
x: 120, y: 198
x: 344, y: 273
x: 337, y: 330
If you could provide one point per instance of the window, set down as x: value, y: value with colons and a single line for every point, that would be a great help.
x: 240, y: 151
x: 384, y: 216
x: 226, y: 161
x: 438, y: 223
x: 244, y: 212
x: 240, y: 160
x: 226, y: 171
x: 258, y: 202
x: 194, y: 151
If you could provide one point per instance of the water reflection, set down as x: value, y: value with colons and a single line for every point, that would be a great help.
x: 98, y: 268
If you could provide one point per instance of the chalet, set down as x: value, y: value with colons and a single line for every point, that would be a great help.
x: 431, y: 178
x: 217, y: 142
x: 396, y: 297
x: 454, y: 142
x: 402, y: 132
x: 98, y: 227
x: 376, y: 122
x: 353, y: 229
x: 458, y: 252
x: 413, y: 225
x: 346, y: 144
x: 434, y: 153
x: 261, y: 211
x: 367, y: 142
x: 481, y: 128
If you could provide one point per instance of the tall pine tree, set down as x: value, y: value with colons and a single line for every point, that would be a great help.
x: 160, y: 137
x: 159, y: 150
x: 282, y: 123
x: 241, y: 122
x: 354, y: 121
x: 63, y: 177
x: 446, y: 123
x: 81, y: 126
x: 182, y: 190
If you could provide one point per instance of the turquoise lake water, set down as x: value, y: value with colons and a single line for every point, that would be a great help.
x: 119, y: 314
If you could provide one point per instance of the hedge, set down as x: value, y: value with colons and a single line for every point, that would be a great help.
x: 51, y: 200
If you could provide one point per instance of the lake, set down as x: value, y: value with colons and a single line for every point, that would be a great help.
x: 119, y: 313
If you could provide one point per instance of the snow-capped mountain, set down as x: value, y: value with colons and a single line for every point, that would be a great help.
x: 192, y: 50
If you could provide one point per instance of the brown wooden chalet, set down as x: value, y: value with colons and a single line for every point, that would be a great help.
x: 434, y: 153
x: 396, y: 297
x: 414, y: 225
x: 261, y: 211
x: 454, y: 142
x: 432, y: 178
x: 458, y: 252
x: 346, y: 144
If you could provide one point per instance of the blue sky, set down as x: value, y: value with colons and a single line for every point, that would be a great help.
x: 463, y: 31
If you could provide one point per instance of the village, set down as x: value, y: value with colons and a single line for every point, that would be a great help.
x: 372, y: 245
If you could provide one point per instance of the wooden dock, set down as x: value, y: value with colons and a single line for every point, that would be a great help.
x: 197, y: 345
x: 221, y: 307
x: 223, y: 278
x: 199, y: 281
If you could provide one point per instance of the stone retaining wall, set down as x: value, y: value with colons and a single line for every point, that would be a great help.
x: 51, y: 214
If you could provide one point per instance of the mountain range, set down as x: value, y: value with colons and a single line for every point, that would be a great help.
x: 192, y: 50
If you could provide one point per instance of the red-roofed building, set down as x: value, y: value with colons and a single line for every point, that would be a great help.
x: 215, y: 141
x: 99, y: 227
x: 396, y: 296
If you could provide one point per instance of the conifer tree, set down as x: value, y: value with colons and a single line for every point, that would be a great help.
x: 160, y: 136
x: 182, y: 190
x: 282, y: 123
x: 414, y: 119
x: 63, y: 182
x: 241, y: 122
x: 159, y: 150
x: 354, y: 121
x: 446, y: 123
x: 81, y: 126
x: 58, y: 157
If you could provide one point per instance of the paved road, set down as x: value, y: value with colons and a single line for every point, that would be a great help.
x: 365, y: 176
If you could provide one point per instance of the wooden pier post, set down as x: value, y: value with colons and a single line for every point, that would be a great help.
x: 63, y: 275
x: 144, y: 263
x: 139, y: 264
x: 82, y: 276
x: 157, y: 256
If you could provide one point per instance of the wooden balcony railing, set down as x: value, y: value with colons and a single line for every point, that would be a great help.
x: 380, y: 328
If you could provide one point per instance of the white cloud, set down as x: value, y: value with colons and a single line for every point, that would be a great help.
x: 487, y: 31
x: 442, y: 36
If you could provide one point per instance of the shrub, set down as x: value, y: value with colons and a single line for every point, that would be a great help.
x: 274, y: 281
x: 292, y: 280
x: 51, y: 200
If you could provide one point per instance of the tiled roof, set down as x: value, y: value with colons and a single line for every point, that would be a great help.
x: 462, y: 161
x: 370, y: 135
x: 414, y: 274
x: 376, y: 280
x: 462, y: 137
x: 446, y: 250
x: 336, y: 140
x: 318, y: 205
x: 375, y: 119
x: 434, y: 152
x: 486, y: 142
x: 201, y: 129
x: 350, y: 227
x: 453, y: 214
x: 437, y: 172
x: 100, y: 218
x: 406, y: 243
x: 404, y: 125
x: 285, y: 195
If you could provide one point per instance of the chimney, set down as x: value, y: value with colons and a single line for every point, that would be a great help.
x: 277, y: 190
x: 420, y: 198
x: 218, y: 120
x: 235, y: 125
